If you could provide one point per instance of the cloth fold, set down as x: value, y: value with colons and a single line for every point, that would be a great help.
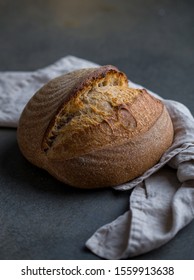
x: 16, y: 88
x: 162, y: 199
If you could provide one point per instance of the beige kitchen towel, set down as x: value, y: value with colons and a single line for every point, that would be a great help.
x: 17, y: 87
x: 162, y: 199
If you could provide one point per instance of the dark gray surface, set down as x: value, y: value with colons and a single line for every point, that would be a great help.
x: 153, y: 42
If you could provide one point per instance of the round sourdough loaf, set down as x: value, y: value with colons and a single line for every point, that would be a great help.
x: 89, y: 129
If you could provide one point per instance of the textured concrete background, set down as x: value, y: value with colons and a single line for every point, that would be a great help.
x: 153, y: 43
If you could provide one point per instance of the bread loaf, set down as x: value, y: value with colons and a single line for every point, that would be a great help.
x: 89, y: 129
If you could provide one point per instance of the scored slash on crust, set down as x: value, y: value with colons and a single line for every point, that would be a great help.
x: 103, y: 100
x: 89, y: 129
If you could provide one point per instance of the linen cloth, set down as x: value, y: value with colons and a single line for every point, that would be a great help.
x: 162, y: 199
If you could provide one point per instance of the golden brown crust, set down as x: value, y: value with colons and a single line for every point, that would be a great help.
x: 119, y: 163
x: 89, y: 129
